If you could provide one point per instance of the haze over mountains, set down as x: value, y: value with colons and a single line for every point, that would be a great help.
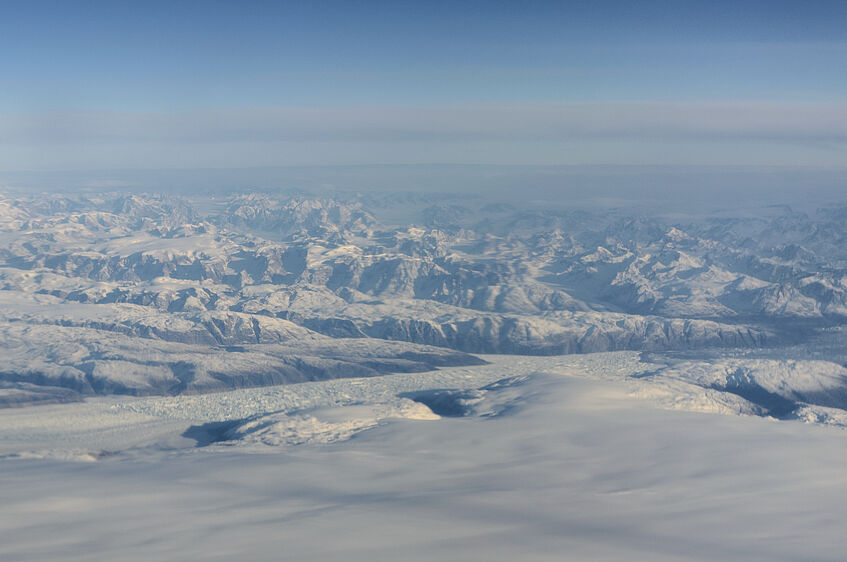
x: 155, y: 294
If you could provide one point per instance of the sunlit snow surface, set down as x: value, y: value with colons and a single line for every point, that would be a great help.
x: 591, y: 457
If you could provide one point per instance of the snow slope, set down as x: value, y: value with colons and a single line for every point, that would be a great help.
x: 530, y: 458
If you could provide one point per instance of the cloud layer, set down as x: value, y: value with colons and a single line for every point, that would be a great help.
x: 608, y: 132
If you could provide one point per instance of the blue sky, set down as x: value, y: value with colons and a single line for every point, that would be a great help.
x: 209, y: 84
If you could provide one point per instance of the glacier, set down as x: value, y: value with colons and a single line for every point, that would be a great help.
x: 356, y: 375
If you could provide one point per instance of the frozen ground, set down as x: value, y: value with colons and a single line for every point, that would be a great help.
x: 591, y: 457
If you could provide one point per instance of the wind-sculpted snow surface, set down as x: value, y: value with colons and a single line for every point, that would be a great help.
x: 122, y: 424
x: 530, y: 458
x: 784, y: 389
x: 118, y: 293
x: 265, y: 419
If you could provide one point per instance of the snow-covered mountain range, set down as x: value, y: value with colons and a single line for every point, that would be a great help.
x: 156, y: 294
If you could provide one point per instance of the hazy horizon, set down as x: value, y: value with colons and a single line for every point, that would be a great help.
x: 676, y: 188
x: 208, y: 85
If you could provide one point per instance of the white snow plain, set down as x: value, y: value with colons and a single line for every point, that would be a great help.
x: 588, y: 457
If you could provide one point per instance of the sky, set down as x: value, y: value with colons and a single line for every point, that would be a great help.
x: 162, y: 85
